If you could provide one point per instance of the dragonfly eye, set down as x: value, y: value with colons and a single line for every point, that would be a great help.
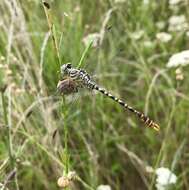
x: 69, y: 65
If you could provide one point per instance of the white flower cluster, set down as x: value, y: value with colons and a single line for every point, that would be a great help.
x: 174, y: 2
x: 177, y: 23
x: 165, y: 178
x: 103, y: 187
x: 137, y: 34
x: 145, y: 2
x: 119, y: 1
x: 179, y: 59
x: 160, y: 25
x: 163, y: 37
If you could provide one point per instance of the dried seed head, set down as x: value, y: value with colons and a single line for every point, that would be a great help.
x: 178, y: 71
x: 46, y: 5
x: 67, y: 86
x: 179, y: 77
x: 8, y: 72
x: 179, y: 74
x: 63, y: 182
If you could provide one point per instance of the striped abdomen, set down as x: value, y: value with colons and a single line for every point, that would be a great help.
x: 149, y: 123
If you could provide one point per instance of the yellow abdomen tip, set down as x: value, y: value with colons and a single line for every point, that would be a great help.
x: 155, y: 126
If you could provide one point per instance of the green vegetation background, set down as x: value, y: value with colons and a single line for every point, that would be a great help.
x: 105, y: 144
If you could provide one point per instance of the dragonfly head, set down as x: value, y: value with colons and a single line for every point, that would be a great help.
x: 64, y: 68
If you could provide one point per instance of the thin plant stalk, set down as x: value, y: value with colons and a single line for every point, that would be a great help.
x: 163, y: 145
x: 85, y: 184
x: 8, y: 129
x: 84, y: 54
x: 48, y: 14
x: 64, y: 112
x: 8, y: 138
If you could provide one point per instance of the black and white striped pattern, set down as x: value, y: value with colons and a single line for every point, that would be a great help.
x: 84, y: 78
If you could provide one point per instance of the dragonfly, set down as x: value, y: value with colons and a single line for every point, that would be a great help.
x: 74, y: 79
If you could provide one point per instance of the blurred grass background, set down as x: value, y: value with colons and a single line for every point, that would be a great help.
x: 106, y: 144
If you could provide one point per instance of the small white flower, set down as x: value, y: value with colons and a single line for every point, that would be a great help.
x: 160, y: 187
x: 119, y: 1
x: 145, y: 2
x: 179, y: 59
x: 163, y: 37
x: 103, y: 187
x: 177, y: 23
x: 160, y: 25
x: 187, y: 33
x: 148, y: 44
x: 77, y: 9
x: 137, y: 34
x: 174, y: 2
x: 65, y: 14
x: 149, y: 169
x: 94, y: 37
x: 2, y: 58
x: 165, y: 178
